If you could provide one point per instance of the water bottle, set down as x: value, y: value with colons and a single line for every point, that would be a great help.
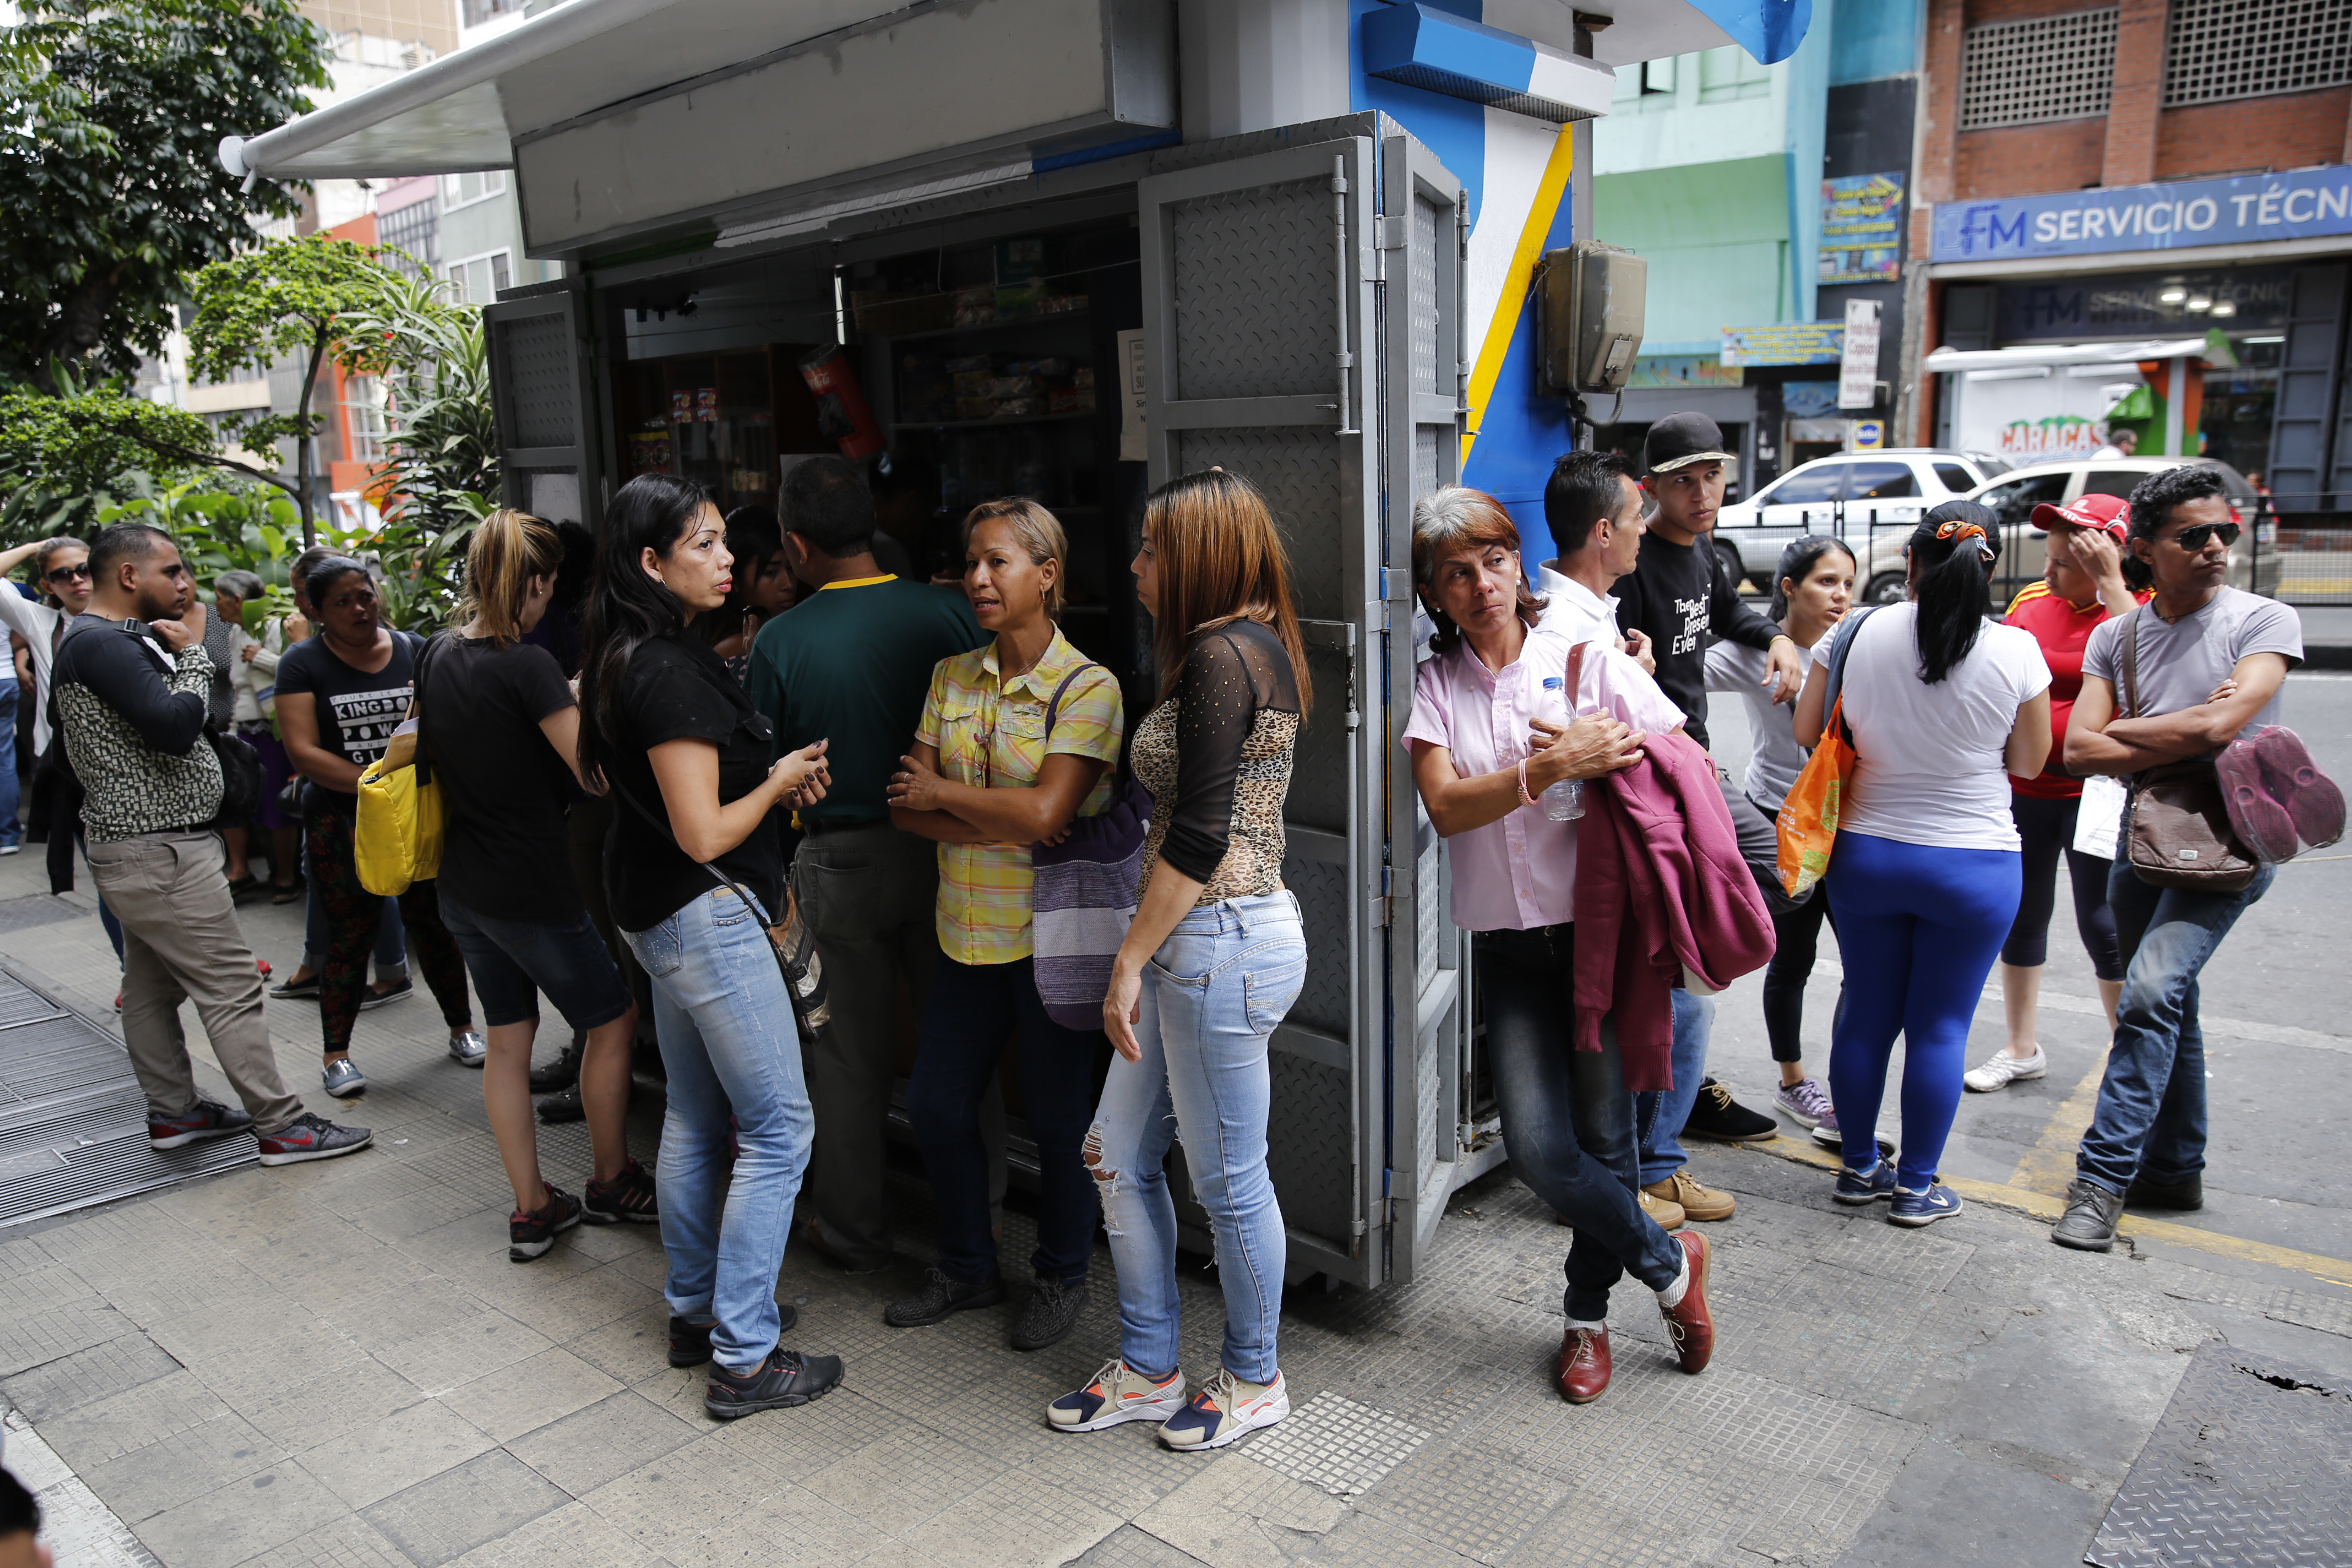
x: 1563, y: 802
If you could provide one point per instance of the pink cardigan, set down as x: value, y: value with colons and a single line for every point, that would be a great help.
x: 1660, y: 887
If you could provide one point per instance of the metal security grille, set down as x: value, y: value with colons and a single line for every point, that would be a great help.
x: 2051, y: 68
x: 2249, y: 48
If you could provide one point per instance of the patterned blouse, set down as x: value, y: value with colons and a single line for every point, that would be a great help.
x: 1216, y: 758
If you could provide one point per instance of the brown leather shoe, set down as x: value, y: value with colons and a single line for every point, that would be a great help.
x: 1583, y: 1365
x: 1690, y: 1325
x: 1665, y: 1211
x: 1696, y: 1200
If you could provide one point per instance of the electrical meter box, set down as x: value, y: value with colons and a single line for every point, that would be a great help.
x: 1590, y: 302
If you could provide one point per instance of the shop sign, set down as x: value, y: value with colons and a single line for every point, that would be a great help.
x: 1866, y: 436
x: 1784, y: 343
x: 2032, y: 419
x: 1682, y: 373
x: 2301, y: 204
x: 1808, y: 399
x: 1862, y: 229
x: 1858, y: 355
x: 2084, y: 310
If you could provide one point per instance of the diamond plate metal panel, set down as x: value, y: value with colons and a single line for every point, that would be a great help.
x: 536, y: 355
x: 1424, y: 459
x: 1310, y: 1156
x: 1237, y: 336
x: 2251, y: 1463
x: 1322, y: 891
x: 1426, y: 228
x: 1321, y: 760
x: 1303, y: 472
x: 1429, y: 916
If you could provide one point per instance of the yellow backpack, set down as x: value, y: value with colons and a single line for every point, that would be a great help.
x: 398, y: 838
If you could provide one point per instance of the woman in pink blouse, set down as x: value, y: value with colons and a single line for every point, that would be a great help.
x: 1487, y: 739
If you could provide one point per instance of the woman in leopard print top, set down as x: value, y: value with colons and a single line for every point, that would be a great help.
x: 1212, y: 961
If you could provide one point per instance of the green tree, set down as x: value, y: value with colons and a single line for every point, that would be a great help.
x: 113, y: 110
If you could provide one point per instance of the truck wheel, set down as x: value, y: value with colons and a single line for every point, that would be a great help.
x: 1730, y: 555
x: 1887, y: 588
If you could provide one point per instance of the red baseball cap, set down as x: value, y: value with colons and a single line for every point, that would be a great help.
x: 2110, y: 514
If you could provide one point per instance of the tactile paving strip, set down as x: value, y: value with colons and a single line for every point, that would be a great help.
x: 2251, y: 1463
x: 1337, y: 1444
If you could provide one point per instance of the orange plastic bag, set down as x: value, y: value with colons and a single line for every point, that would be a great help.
x: 1808, y: 820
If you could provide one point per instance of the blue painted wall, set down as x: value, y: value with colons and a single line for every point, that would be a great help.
x: 1874, y: 38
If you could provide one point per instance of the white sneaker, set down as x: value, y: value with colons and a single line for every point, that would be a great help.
x: 1224, y: 1410
x: 2000, y: 1069
x: 1117, y: 1393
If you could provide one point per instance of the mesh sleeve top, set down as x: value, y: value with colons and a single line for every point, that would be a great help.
x: 1216, y: 758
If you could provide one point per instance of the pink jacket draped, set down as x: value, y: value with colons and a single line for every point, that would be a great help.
x: 1660, y: 887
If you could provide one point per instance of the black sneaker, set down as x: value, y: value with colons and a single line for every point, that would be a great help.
x: 295, y: 990
x: 1714, y: 1114
x: 205, y: 1119
x: 2089, y: 1223
x: 312, y: 1137
x: 398, y: 991
x: 1049, y: 1314
x: 785, y: 1379
x: 530, y: 1235
x: 942, y: 1298
x: 689, y: 1341
x: 562, y: 1106
x: 628, y: 1197
x: 2144, y: 1193
x: 563, y: 1071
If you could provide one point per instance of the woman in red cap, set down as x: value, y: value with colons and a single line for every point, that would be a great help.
x: 2089, y: 577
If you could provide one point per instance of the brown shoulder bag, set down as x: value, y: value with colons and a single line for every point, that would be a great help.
x: 2177, y: 830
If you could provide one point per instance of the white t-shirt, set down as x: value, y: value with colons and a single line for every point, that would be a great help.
x: 1774, y: 757
x: 37, y: 623
x: 1928, y: 766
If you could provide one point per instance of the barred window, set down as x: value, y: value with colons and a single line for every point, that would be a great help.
x: 413, y: 230
x: 2050, y: 68
x: 2249, y: 48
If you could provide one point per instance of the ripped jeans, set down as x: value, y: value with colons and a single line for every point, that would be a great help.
x: 1211, y: 996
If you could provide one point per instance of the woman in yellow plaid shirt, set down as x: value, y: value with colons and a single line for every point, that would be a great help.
x: 990, y: 777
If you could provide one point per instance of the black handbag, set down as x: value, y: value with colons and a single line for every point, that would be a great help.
x: 241, y: 780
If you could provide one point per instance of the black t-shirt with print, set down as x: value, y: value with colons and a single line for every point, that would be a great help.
x: 358, y: 710
x: 675, y: 689
x: 504, y: 791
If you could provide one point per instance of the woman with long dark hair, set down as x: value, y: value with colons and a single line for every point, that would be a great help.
x: 1812, y: 590
x: 696, y: 877
x: 1943, y: 707
x: 502, y: 733
x: 341, y: 694
x: 1212, y: 961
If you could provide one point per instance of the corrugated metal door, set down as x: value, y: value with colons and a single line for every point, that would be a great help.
x: 540, y: 389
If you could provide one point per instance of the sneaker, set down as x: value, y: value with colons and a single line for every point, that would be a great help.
x: 1829, y: 1136
x: 205, y: 1119
x: 2089, y: 1223
x: 1224, y: 1411
x: 117, y: 1001
x: 1714, y: 1114
x: 1804, y: 1103
x: 1698, y: 1201
x: 689, y: 1341
x: 1925, y: 1207
x: 563, y: 1071
x: 2000, y: 1069
x: 468, y: 1049
x: 285, y: 893
x: 2144, y: 1193
x: 1668, y: 1216
x: 942, y: 1298
x: 1690, y: 1324
x: 785, y: 1379
x: 627, y: 1198
x: 400, y: 990
x: 562, y: 1106
x: 530, y: 1235
x: 2309, y: 795
x: 296, y: 988
x: 1049, y: 1314
x: 310, y: 1137
x: 11, y: 848
x: 343, y: 1077
x: 1116, y: 1393
x: 1857, y: 1188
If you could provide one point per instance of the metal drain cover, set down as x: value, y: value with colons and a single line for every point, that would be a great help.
x: 2251, y: 1463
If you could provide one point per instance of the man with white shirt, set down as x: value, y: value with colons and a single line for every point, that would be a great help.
x: 1594, y: 508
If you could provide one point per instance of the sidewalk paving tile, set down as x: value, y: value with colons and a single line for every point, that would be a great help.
x: 601, y: 1442
x: 441, y: 1519
x: 244, y: 1520
x: 86, y: 1376
x: 527, y: 1394
x: 395, y: 1453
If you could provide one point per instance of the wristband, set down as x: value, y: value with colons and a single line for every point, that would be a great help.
x: 1525, y: 798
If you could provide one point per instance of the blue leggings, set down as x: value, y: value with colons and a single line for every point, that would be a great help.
x: 1919, y: 927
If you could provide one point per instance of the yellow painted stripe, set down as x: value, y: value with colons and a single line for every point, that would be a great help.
x: 2041, y: 1205
x: 1488, y: 369
x: 2049, y: 1165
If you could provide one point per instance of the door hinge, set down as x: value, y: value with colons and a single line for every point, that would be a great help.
x: 1380, y: 911
x: 1394, y: 234
x: 1396, y: 585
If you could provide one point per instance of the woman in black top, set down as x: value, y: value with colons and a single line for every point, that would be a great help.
x: 340, y: 693
x: 501, y: 733
x: 695, y: 878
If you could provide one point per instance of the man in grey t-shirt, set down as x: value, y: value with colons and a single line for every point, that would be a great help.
x: 2210, y: 663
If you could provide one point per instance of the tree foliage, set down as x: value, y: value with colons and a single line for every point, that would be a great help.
x: 114, y: 189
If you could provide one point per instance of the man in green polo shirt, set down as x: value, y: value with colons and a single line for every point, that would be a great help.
x: 851, y: 663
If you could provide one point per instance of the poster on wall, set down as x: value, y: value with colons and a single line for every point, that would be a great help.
x: 2032, y: 418
x: 1862, y: 229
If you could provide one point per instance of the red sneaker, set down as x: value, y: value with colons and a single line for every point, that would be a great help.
x: 1690, y: 1325
x: 1585, y: 1366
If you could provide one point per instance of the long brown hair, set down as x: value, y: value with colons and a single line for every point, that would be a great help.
x: 1220, y: 560
x: 508, y: 550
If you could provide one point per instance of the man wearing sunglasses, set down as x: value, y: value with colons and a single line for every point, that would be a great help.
x: 2209, y: 663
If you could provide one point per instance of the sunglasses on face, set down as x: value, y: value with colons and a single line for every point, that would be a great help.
x: 2193, y: 539
x: 66, y: 573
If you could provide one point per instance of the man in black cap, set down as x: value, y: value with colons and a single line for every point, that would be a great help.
x: 1680, y: 593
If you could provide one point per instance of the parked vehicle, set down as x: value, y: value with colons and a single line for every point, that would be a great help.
x: 1845, y: 492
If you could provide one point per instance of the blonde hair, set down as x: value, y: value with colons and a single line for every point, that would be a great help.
x: 1220, y: 560
x: 508, y: 550
x: 1041, y: 536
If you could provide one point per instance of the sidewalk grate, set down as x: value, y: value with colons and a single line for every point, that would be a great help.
x: 2248, y: 1465
x: 73, y: 1123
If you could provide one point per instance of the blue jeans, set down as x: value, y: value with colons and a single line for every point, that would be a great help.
x: 1568, y: 1121
x: 1920, y: 926
x: 2151, y: 1112
x: 730, y: 1046
x: 1211, y: 996
x: 1660, y: 1113
x: 971, y: 1013
x: 11, y: 830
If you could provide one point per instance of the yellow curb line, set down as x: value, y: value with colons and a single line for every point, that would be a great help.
x: 2041, y: 1206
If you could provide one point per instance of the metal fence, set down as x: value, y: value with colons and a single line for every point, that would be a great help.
x: 2302, y: 562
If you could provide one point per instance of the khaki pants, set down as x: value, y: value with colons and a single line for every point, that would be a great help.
x: 181, y: 942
